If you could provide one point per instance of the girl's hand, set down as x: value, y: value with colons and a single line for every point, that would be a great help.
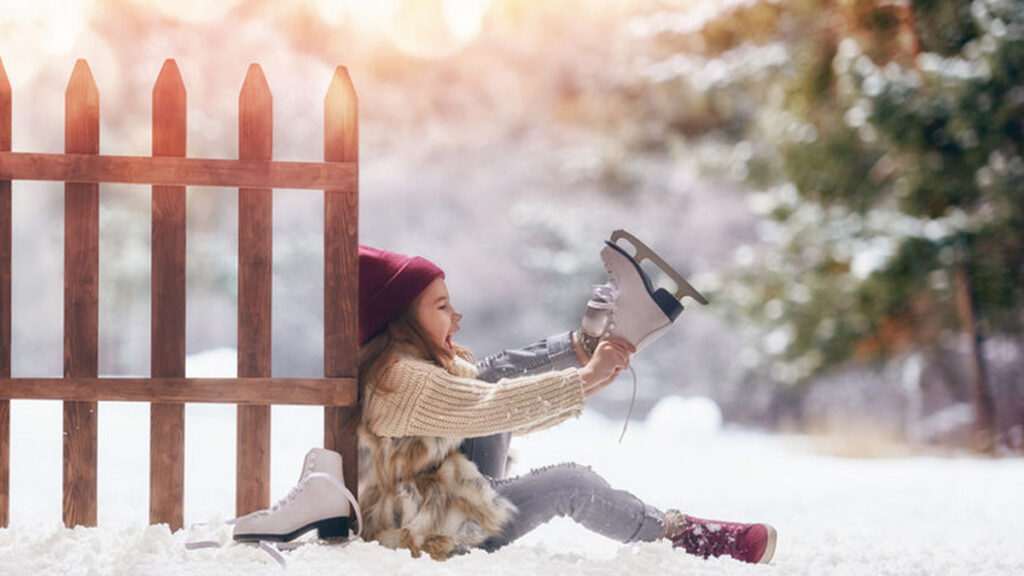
x: 610, y: 358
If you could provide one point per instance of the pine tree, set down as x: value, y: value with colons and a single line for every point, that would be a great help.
x: 889, y: 152
x: 953, y: 125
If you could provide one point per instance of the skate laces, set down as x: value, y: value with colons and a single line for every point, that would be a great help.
x: 632, y: 401
x: 292, y: 495
x: 604, y: 296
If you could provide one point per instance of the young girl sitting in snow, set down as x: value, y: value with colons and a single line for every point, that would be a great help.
x: 434, y: 434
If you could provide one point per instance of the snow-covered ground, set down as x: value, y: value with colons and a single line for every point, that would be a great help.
x: 917, y: 515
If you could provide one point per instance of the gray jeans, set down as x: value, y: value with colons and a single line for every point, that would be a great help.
x: 490, y: 453
x: 561, y: 490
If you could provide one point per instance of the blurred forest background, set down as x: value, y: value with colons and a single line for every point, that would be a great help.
x: 843, y: 179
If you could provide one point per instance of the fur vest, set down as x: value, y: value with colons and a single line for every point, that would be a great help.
x: 421, y: 493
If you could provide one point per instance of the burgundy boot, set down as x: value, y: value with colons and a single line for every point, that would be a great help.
x: 754, y: 543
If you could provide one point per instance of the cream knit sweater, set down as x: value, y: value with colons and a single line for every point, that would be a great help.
x: 433, y: 401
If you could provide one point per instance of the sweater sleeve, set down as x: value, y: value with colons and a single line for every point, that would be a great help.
x: 430, y: 401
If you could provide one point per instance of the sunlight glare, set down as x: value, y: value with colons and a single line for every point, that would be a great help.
x: 332, y: 12
x: 435, y: 28
x: 42, y: 27
x: 465, y: 16
x: 192, y: 11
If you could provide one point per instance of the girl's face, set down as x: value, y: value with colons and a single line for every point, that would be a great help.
x: 436, y: 316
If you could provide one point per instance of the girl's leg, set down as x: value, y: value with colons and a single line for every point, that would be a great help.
x: 554, y: 353
x: 490, y: 453
x: 581, y: 494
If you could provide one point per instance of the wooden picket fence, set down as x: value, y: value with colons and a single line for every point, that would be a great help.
x: 169, y: 171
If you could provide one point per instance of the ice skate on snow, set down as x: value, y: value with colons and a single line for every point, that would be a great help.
x: 628, y: 306
x: 320, y: 500
x: 754, y: 543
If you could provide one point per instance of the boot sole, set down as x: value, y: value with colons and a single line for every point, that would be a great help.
x: 327, y: 529
x: 769, y: 548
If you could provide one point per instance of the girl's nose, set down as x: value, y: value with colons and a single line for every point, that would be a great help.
x: 456, y: 316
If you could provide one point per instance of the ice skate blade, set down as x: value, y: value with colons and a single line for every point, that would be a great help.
x: 668, y: 305
x: 644, y: 252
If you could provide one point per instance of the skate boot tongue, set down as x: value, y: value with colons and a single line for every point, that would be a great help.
x: 604, y: 296
x: 599, y: 309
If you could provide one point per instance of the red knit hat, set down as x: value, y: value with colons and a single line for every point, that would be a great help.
x: 388, y: 283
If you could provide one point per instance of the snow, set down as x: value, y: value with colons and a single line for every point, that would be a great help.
x: 914, y: 515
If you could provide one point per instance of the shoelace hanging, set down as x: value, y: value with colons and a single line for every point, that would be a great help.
x: 632, y: 401
x: 274, y: 548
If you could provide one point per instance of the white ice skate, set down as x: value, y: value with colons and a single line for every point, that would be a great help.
x: 628, y: 306
x: 320, y: 500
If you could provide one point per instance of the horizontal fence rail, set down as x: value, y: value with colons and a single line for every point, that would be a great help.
x: 250, y: 391
x: 169, y: 172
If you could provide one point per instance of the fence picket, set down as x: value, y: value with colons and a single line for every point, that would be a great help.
x: 341, y: 268
x: 81, y: 275
x: 167, y: 357
x: 255, y: 275
x: 5, y: 300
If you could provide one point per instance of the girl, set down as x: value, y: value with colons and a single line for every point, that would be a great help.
x: 422, y: 397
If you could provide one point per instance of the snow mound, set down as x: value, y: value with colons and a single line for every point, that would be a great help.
x: 676, y: 417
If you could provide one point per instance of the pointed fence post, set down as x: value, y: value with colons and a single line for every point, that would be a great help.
x: 167, y: 355
x: 5, y: 300
x: 341, y: 269
x: 255, y: 275
x: 81, y: 279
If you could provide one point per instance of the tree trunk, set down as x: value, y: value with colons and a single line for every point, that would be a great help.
x: 981, y: 394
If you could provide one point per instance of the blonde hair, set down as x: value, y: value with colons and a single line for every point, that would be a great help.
x: 375, y: 355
